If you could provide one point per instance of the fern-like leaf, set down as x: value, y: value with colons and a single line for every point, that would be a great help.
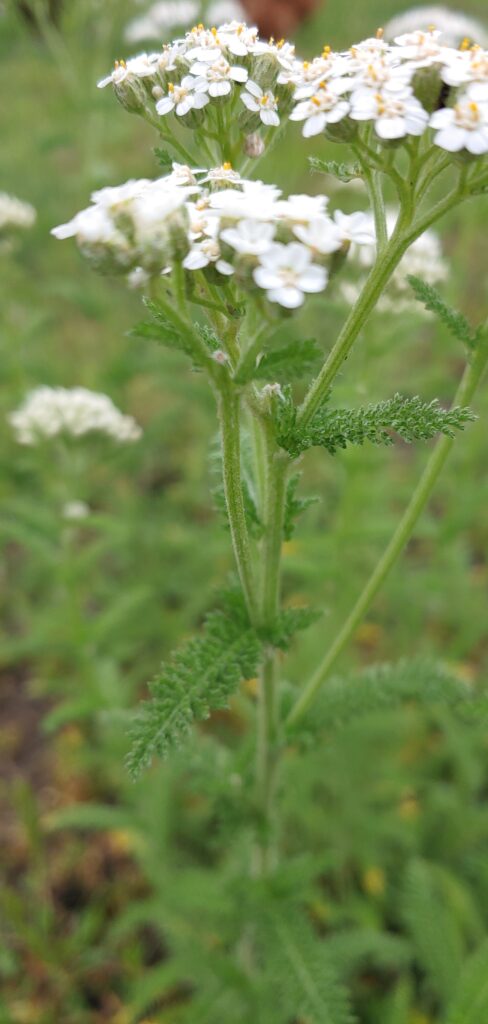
x: 303, y: 979
x: 294, y: 507
x: 379, y: 688
x: 343, y: 172
x: 200, y: 677
x: 433, y: 928
x: 160, y: 329
x: 411, y: 419
x: 469, y: 1004
x: 455, y: 321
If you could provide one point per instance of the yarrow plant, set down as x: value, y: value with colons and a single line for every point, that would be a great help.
x: 225, y: 259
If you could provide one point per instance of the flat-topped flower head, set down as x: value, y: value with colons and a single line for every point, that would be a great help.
x: 464, y: 126
x: 74, y: 412
x: 261, y: 102
x: 287, y: 274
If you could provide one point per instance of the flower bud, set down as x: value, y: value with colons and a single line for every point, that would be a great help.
x: 131, y: 93
x: 254, y: 145
x: 344, y: 131
x: 429, y: 89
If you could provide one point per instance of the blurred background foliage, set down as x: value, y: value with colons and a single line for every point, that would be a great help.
x: 125, y: 902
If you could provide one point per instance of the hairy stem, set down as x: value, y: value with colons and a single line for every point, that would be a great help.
x: 379, y: 276
x: 228, y: 409
x: 467, y: 387
x: 275, y: 470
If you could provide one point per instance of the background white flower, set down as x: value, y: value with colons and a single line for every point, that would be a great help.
x: 48, y: 412
x: 15, y: 213
x: 453, y: 26
x: 287, y: 274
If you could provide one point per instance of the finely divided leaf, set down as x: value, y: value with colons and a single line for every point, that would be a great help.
x: 455, y: 321
x: 411, y: 419
x: 294, y: 507
x: 303, y: 978
x: 344, y: 172
x: 200, y: 677
x: 469, y: 1004
x: 379, y: 688
x: 160, y: 329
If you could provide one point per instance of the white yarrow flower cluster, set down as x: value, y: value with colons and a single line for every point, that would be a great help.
x: 15, y: 213
x: 50, y: 412
x: 385, y: 84
x: 205, y: 67
x: 224, y: 224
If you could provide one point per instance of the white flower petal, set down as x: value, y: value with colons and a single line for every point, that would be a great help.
x: 289, y: 297
x: 314, y: 125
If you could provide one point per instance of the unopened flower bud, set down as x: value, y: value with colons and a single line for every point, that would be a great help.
x: 131, y: 93
x: 273, y: 391
x: 220, y: 357
x: 429, y: 89
x: 344, y: 131
x: 254, y: 145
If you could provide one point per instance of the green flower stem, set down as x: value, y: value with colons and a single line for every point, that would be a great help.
x: 373, y: 183
x: 267, y: 762
x: 406, y: 232
x: 467, y: 387
x: 379, y: 276
x: 229, y: 409
x: 276, y: 466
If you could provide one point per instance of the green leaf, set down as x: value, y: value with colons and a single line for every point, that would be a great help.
x: 161, y: 330
x: 469, y: 1003
x: 164, y: 158
x: 302, y: 977
x: 347, y: 698
x: 292, y: 362
x: 433, y: 928
x: 344, y: 172
x: 291, y: 621
x: 455, y: 321
x: 294, y: 507
x: 200, y: 677
x: 411, y: 419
